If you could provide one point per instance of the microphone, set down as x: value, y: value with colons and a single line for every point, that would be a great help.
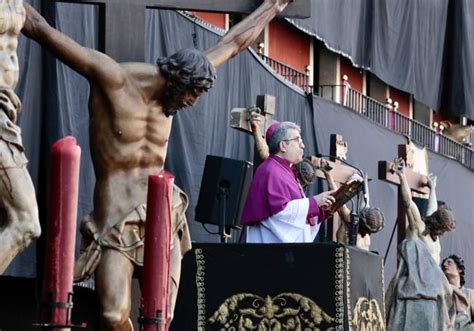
x: 362, y: 174
x: 342, y: 160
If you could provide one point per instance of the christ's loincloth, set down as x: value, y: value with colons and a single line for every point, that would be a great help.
x: 11, y: 149
x: 127, y: 237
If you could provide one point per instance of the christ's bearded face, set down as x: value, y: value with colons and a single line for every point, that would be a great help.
x: 176, y: 100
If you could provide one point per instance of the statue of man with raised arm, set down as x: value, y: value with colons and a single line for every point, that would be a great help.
x: 19, y: 223
x: 131, y: 108
x: 419, y: 296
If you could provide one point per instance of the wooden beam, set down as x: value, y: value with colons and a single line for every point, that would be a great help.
x: 122, y: 22
x: 239, y: 117
x: 416, y: 181
x: 296, y: 9
x: 340, y: 172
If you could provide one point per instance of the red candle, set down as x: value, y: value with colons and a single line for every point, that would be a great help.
x: 154, y: 303
x: 61, y: 232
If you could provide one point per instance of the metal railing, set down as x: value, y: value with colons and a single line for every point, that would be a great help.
x: 389, y: 117
x: 378, y: 112
x: 295, y: 77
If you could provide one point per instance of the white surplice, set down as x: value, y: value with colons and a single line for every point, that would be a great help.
x: 288, y: 226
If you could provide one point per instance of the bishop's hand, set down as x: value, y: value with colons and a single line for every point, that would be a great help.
x: 325, y: 199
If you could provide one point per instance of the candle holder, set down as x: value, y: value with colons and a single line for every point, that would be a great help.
x: 50, y: 308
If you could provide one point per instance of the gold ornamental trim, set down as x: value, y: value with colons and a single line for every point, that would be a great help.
x: 367, y: 316
x: 201, y: 289
x: 284, y: 312
x: 339, y: 288
x: 348, y: 286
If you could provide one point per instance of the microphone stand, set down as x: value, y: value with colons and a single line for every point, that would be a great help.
x: 353, y: 228
x: 222, y: 197
x: 354, y: 222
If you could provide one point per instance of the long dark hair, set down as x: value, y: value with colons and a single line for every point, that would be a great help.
x: 188, y: 69
x: 442, y: 220
x: 371, y: 220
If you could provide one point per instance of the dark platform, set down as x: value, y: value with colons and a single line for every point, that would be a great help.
x: 19, y: 305
x: 279, y: 286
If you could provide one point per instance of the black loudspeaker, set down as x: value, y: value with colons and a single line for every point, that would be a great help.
x: 224, y: 187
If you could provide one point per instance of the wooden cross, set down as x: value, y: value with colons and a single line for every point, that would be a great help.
x: 122, y: 22
x: 340, y: 173
x: 416, y: 182
x: 239, y: 119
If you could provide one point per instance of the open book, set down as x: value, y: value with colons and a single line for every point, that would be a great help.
x: 346, y: 191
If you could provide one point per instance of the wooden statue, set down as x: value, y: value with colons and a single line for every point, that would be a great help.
x: 419, y: 294
x: 458, y: 132
x: 241, y: 118
x: 19, y: 223
x: 335, y: 172
x: 132, y: 107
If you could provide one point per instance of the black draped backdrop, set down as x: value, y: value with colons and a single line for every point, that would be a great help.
x: 423, y: 47
x: 55, y: 104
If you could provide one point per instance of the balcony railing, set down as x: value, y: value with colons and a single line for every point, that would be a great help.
x: 385, y: 115
x: 295, y: 77
x: 378, y: 112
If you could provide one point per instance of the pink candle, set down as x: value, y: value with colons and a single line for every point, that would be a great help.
x: 154, y: 303
x: 61, y: 233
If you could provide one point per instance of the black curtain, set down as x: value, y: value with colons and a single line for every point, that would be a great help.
x: 55, y: 105
x: 423, y: 47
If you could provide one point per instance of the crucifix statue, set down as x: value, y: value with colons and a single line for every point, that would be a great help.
x: 356, y: 226
x: 19, y: 224
x: 416, y: 181
x: 131, y: 108
x: 256, y: 120
x: 339, y: 173
x: 426, y: 304
x: 122, y: 22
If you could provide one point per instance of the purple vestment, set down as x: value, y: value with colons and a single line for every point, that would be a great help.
x: 273, y: 186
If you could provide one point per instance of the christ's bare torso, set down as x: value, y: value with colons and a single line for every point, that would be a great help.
x: 128, y: 142
x: 433, y: 246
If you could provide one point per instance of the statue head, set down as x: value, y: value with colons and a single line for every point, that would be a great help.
x: 441, y: 221
x: 188, y: 74
x: 371, y: 221
x: 459, y: 268
x: 306, y: 172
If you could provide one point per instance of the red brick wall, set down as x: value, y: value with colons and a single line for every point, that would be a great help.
x: 356, y: 76
x: 217, y: 19
x: 288, y: 45
x: 403, y: 99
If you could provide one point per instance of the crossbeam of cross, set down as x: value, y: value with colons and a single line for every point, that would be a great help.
x: 416, y: 182
x: 122, y: 22
x: 240, y: 119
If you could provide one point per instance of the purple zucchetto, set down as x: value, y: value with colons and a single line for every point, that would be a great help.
x: 271, y: 130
